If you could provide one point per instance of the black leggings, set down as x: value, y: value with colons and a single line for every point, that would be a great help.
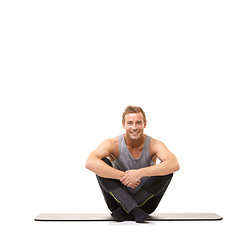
x: 147, y: 198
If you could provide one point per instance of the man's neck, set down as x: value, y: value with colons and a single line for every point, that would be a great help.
x: 134, y: 143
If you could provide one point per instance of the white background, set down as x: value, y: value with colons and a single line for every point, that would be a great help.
x: 68, y: 70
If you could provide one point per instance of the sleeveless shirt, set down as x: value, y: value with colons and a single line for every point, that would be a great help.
x: 125, y: 161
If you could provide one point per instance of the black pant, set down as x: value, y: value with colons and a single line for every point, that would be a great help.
x: 147, y: 198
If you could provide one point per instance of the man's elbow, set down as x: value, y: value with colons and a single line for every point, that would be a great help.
x: 177, y: 166
x: 89, y: 163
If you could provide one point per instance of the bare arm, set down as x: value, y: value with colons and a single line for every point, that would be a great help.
x: 95, y: 164
x: 168, y: 164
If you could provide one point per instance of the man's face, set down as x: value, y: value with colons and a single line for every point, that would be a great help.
x: 134, y: 125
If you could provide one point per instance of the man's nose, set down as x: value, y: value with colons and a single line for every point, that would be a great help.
x: 134, y: 126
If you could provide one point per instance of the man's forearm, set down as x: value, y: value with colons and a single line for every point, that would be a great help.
x: 101, y: 169
x: 161, y: 169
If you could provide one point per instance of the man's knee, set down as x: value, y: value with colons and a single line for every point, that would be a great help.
x: 157, y: 183
x: 169, y: 176
x: 107, y: 161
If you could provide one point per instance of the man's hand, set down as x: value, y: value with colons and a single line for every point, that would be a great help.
x: 132, y: 178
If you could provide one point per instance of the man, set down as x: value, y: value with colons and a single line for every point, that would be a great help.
x: 131, y: 181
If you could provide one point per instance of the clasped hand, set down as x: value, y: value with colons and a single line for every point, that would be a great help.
x: 132, y: 178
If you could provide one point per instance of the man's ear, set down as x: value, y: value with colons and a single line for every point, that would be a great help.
x: 145, y: 124
x: 123, y: 124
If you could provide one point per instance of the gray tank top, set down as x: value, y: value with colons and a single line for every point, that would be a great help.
x: 125, y: 161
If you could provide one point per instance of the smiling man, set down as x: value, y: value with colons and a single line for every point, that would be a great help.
x: 126, y: 166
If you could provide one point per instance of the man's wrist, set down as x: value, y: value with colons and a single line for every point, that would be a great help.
x: 142, y: 172
x: 120, y: 174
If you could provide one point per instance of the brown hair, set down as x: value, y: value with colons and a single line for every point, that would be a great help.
x: 133, y: 109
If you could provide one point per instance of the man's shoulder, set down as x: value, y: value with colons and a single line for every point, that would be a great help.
x: 112, y: 141
x: 155, y: 141
x: 112, y: 145
x: 155, y: 144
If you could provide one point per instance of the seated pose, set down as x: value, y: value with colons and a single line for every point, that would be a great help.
x: 131, y: 181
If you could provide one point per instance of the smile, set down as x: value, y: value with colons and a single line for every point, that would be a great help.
x: 134, y: 133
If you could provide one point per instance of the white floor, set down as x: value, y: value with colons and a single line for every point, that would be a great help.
x: 65, y: 64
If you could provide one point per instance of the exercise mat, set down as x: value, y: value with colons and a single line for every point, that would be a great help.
x: 107, y: 217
